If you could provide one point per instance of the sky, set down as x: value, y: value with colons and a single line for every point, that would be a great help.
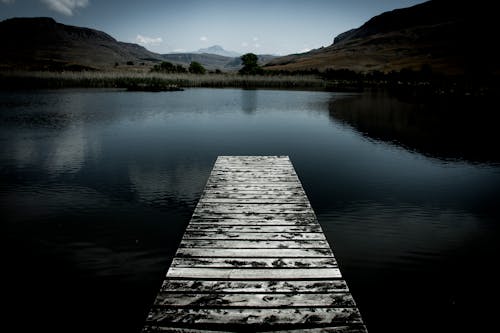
x: 276, y: 27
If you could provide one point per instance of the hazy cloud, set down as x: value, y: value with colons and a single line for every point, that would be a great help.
x: 244, y: 44
x: 203, y: 38
x: 7, y: 1
x: 65, y: 7
x: 144, y: 40
x: 255, y: 39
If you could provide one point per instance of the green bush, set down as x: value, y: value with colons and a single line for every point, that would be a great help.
x: 196, y: 68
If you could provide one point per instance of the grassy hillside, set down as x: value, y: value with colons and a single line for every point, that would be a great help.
x: 447, y: 37
x: 44, y: 44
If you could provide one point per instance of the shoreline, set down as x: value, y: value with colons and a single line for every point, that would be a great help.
x: 158, y: 82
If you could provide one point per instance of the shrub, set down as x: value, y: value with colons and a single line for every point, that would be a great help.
x: 196, y: 68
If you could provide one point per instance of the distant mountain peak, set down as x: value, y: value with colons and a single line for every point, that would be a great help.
x: 219, y: 50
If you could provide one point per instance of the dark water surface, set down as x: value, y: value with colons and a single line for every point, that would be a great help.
x: 97, y: 187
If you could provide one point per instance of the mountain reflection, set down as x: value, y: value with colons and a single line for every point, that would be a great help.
x: 443, y: 128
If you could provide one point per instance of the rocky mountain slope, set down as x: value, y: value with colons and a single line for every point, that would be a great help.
x: 44, y: 44
x: 449, y: 37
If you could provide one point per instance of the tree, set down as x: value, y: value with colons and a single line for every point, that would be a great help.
x: 250, y: 65
x: 196, y: 68
x: 168, y: 67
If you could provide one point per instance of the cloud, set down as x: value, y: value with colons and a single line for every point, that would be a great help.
x: 255, y: 39
x: 203, y: 38
x: 8, y: 2
x: 244, y: 44
x: 144, y: 40
x: 65, y: 7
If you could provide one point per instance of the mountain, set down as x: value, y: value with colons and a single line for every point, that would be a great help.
x: 218, y: 50
x: 44, y: 44
x: 450, y: 37
x: 209, y: 61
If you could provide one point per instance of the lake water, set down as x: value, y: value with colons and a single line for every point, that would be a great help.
x: 97, y: 187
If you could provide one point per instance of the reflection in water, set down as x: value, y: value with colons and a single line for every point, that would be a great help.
x: 249, y: 100
x: 450, y: 129
x: 68, y: 151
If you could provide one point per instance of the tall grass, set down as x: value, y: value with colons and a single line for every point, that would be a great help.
x: 126, y: 79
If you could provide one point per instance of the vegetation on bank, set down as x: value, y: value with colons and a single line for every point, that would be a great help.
x: 16, y: 80
x: 167, y: 77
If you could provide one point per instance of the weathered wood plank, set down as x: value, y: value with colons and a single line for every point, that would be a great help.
x: 261, y: 216
x: 254, y: 161
x: 268, y: 219
x: 257, y: 207
x: 253, y: 253
x: 255, y: 262
x: 254, y: 244
x: 255, y: 174
x: 247, y: 316
x: 210, y: 195
x: 252, y: 227
x: 250, y: 162
x: 270, y: 300
x: 231, y: 177
x: 354, y: 328
x: 250, y: 211
x: 265, y: 286
x: 220, y: 234
x: 253, y: 216
x: 254, y: 200
x: 235, y: 222
x: 163, y: 329
x: 292, y: 186
x: 271, y: 192
x: 262, y: 172
x: 253, y: 273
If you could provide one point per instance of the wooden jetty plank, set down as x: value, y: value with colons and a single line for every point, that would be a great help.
x: 359, y: 328
x: 192, y: 235
x: 263, y: 193
x: 227, y: 223
x: 278, y: 225
x: 249, y: 210
x: 249, y: 316
x: 253, y: 200
x: 254, y: 258
x: 249, y: 216
x: 245, y: 184
x: 278, y: 208
x: 252, y: 227
x: 256, y: 262
x: 257, y: 300
x: 254, y: 216
x: 250, y: 253
x: 253, y: 273
x: 264, y: 286
x: 254, y: 244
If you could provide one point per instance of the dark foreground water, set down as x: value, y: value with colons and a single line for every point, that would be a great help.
x: 97, y: 187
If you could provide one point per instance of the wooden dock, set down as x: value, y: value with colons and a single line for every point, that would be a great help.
x: 254, y: 259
